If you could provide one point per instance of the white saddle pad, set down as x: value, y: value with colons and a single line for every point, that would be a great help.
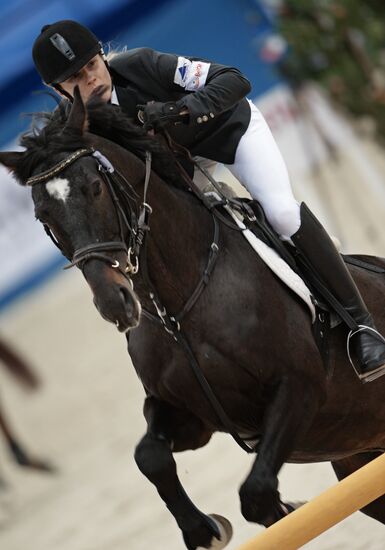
x: 277, y: 265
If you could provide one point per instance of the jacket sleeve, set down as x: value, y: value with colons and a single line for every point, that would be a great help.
x: 210, y: 88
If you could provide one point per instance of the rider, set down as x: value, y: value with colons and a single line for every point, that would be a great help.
x: 204, y: 108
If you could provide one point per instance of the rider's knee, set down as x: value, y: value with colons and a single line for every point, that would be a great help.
x: 285, y: 219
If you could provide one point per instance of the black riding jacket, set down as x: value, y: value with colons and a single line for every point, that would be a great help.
x: 219, y: 112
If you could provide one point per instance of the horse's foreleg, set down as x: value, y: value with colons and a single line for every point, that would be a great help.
x: 347, y: 466
x: 17, y: 451
x: 17, y: 366
x: 169, y: 428
x: 287, y: 417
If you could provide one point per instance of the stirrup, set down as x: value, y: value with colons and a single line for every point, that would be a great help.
x: 374, y: 373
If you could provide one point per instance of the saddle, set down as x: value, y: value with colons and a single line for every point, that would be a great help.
x: 328, y: 311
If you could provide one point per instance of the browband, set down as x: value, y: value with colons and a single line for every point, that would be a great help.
x: 47, y: 174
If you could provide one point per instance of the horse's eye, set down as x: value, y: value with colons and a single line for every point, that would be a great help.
x: 96, y: 188
x: 42, y: 215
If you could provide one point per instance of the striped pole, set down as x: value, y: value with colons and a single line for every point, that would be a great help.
x: 326, y: 510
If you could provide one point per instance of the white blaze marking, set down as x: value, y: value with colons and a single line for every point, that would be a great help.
x: 58, y: 188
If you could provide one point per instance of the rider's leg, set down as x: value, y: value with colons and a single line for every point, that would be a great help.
x: 199, y: 178
x: 260, y: 167
x: 314, y: 242
x: 203, y: 184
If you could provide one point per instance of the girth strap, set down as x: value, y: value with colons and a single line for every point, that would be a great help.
x: 171, y: 324
x: 223, y: 417
x: 213, y: 255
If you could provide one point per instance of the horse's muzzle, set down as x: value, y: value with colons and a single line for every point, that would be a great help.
x: 133, y: 310
x: 114, y: 297
x: 123, y: 309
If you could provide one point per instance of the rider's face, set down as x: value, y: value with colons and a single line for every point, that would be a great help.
x: 91, y: 75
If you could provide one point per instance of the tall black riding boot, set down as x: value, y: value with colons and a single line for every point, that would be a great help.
x: 315, y: 245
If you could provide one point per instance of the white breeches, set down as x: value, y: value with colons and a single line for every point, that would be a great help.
x: 260, y: 168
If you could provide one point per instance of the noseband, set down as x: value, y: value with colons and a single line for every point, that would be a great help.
x: 123, y: 197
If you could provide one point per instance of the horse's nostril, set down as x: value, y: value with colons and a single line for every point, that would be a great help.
x: 127, y: 298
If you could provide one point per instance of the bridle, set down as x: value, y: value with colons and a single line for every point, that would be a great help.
x: 132, y: 224
x: 136, y: 225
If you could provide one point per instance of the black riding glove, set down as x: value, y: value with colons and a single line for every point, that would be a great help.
x: 156, y: 115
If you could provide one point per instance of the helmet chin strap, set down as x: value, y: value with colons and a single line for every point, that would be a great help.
x: 60, y: 90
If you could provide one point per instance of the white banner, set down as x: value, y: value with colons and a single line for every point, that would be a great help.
x: 26, y: 253
x: 298, y: 140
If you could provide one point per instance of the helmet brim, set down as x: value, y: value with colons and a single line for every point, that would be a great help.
x: 77, y: 65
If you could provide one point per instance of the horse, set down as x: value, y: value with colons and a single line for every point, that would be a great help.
x: 23, y: 373
x: 144, y: 245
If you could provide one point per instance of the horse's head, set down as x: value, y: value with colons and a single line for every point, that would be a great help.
x: 80, y: 207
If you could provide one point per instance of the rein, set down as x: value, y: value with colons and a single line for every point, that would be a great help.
x: 137, y: 226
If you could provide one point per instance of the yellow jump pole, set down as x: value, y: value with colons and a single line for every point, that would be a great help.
x: 320, y: 514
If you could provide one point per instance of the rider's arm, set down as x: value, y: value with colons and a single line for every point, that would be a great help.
x: 209, y: 88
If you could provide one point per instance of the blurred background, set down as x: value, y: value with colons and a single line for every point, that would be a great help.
x: 317, y: 68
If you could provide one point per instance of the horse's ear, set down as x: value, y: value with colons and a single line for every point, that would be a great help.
x: 77, y: 120
x: 10, y: 159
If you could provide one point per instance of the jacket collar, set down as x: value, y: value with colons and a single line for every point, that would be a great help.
x: 114, y: 97
x: 127, y: 100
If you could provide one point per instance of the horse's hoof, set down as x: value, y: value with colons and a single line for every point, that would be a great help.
x: 225, y: 530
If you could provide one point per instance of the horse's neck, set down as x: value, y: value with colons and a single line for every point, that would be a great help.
x: 178, y: 242
x: 180, y: 235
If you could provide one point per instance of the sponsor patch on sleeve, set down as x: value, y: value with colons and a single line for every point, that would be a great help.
x: 181, y: 71
x: 191, y: 75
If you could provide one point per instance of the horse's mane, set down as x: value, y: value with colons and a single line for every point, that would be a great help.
x: 46, y: 138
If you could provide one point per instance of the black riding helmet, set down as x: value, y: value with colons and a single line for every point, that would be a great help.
x: 62, y: 49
